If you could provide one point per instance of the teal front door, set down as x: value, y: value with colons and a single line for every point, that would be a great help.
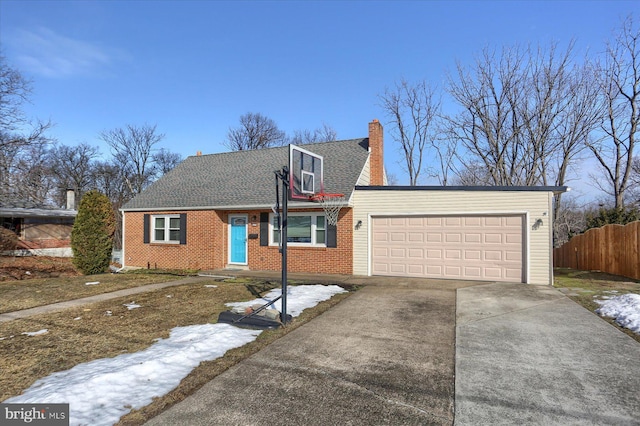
x: 238, y: 239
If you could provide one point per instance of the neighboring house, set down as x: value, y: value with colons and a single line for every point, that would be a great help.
x: 42, y: 230
x: 215, y: 212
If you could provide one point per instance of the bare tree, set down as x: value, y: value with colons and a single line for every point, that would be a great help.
x: 632, y: 197
x: 525, y: 116
x: 575, y: 124
x: 620, y: 89
x: 165, y: 161
x: 473, y: 174
x: 569, y: 220
x: 132, y: 148
x: 73, y: 167
x: 109, y: 179
x: 32, y: 180
x: 255, y: 131
x: 486, y: 127
x: 325, y: 133
x: 412, y: 109
x: 392, y: 179
x: 19, y: 137
x: 14, y: 91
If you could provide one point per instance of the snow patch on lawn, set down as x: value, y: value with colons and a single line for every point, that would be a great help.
x: 100, y: 392
x: 132, y: 305
x: 298, y: 298
x: 624, y: 309
x: 36, y: 333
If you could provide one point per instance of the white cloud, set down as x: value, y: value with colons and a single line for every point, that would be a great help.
x: 43, y: 51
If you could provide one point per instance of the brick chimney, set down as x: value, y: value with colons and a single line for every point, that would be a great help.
x: 376, y: 154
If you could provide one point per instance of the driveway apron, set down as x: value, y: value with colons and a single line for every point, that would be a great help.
x: 530, y: 355
x: 385, y: 355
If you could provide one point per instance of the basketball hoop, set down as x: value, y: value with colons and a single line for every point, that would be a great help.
x: 331, y: 204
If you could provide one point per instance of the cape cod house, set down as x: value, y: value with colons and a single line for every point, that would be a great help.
x: 215, y: 211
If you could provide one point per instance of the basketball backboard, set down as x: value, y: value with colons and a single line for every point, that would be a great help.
x: 305, y: 174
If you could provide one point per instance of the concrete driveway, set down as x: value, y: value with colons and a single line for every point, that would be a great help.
x: 385, y: 355
x: 393, y: 354
x: 530, y: 355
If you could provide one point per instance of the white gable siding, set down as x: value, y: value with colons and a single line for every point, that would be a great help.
x: 533, y: 204
x: 365, y: 175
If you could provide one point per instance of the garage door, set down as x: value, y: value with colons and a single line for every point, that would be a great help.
x: 486, y: 248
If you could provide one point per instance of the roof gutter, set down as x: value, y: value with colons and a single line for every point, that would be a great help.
x: 291, y: 205
x: 554, y: 189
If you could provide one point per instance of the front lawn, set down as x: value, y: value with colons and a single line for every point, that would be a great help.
x: 35, y: 347
x: 24, y: 294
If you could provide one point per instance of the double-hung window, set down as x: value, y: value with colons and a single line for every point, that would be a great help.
x: 166, y: 229
x: 303, y: 229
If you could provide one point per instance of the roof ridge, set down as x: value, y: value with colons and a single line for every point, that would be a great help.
x: 278, y: 147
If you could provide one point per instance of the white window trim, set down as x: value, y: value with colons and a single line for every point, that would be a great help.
x: 167, y: 218
x: 314, y: 224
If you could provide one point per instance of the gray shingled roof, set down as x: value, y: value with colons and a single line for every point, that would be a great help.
x: 244, y: 179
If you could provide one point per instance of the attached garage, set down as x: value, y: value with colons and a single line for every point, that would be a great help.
x: 490, y: 234
x: 468, y: 247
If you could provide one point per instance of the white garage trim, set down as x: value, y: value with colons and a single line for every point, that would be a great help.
x: 524, y: 214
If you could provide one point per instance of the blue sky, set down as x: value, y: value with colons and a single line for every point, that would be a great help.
x: 193, y: 67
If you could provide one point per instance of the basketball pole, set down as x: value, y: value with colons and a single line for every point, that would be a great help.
x: 284, y: 177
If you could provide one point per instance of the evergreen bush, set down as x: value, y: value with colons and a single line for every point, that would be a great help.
x: 607, y: 216
x: 92, y: 235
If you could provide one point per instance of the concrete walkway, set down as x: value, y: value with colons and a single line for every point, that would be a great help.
x: 530, y: 355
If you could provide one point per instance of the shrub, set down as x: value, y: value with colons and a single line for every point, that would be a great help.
x: 92, y: 235
x: 8, y: 239
x: 607, y: 216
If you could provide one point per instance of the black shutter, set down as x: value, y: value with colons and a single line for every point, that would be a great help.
x: 183, y: 228
x: 332, y: 236
x: 264, y: 229
x: 145, y: 228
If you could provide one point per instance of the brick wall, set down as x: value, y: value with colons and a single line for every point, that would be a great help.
x: 207, y: 246
x: 204, y: 248
x: 338, y: 260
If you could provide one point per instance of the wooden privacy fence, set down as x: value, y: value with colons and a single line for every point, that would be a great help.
x: 612, y: 248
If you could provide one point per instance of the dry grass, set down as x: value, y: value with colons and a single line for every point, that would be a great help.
x: 585, y: 287
x: 24, y: 294
x: 30, y: 281
x: 87, y: 333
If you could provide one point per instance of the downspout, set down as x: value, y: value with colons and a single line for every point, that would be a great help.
x: 123, y: 230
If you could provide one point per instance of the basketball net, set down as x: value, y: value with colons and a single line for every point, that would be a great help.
x: 331, y: 204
